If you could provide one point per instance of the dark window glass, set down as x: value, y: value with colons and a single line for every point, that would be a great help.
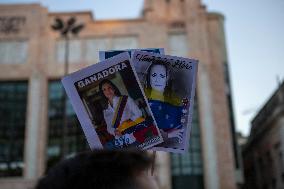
x: 187, y: 168
x: 59, y: 144
x: 13, y: 105
x: 231, y: 113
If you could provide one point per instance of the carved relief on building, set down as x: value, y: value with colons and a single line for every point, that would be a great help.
x: 177, y: 24
x: 11, y: 24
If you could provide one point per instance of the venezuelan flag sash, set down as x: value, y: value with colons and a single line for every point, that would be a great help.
x: 118, y: 114
x: 119, y: 111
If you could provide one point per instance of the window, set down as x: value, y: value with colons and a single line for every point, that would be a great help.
x: 13, y: 52
x: 187, y: 169
x: 178, y: 44
x: 93, y: 46
x: 231, y: 114
x: 13, y: 105
x: 74, y: 138
x: 120, y: 43
x: 75, y: 51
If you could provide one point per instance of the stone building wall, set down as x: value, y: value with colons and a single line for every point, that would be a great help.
x: 183, y: 28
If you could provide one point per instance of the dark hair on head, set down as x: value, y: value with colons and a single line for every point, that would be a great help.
x: 116, y: 90
x: 100, y: 169
x: 147, y: 83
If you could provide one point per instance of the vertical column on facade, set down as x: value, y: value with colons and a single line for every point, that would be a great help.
x: 199, y: 49
x: 207, y: 129
x: 163, y: 170
x: 221, y: 113
x: 35, y: 139
x: 154, y: 12
x: 281, y: 125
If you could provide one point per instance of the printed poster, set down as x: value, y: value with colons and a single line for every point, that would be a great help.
x: 111, y: 105
x: 169, y: 85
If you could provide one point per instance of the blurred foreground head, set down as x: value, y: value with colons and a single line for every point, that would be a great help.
x: 101, y: 170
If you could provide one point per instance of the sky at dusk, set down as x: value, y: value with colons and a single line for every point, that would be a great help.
x: 255, y: 43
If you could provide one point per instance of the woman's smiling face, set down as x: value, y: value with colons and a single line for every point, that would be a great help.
x: 158, y: 77
x: 108, y: 91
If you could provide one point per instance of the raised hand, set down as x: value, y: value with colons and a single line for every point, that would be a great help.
x: 176, y: 133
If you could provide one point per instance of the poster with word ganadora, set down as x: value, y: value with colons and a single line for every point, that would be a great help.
x: 111, y: 105
x: 169, y: 85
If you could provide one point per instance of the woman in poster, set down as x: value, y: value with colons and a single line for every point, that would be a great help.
x: 121, y: 111
x: 166, y: 107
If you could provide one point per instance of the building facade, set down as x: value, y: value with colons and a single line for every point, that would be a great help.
x: 263, y: 152
x: 32, y: 59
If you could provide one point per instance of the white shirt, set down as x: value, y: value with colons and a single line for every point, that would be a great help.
x: 131, y: 111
